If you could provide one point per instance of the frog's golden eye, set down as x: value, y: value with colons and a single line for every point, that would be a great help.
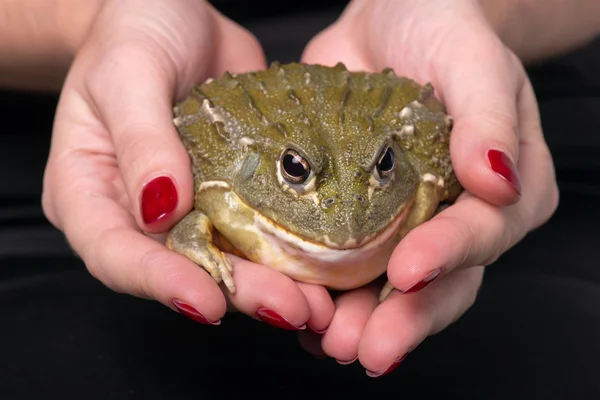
x: 294, y: 168
x: 386, y: 163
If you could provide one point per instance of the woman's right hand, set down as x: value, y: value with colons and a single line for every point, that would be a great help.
x: 117, y: 168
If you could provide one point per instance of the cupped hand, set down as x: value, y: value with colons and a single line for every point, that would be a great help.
x: 498, y: 151
x: 118, y: 176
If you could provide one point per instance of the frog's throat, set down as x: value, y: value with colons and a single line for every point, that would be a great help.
x: 270, y: 228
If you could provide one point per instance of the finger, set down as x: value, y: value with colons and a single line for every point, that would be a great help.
x: 320, y: 305
x: 353, y: 310
x: 320, y: 50
x: 155, y: 165
x: 125, y: 260
x: 401, y: 322
x: 269, y: 296
x: 480, y: 90
x: 239, y: 50
x: 473, y: 232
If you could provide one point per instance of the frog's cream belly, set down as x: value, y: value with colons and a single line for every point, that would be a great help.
x: 261, y: 241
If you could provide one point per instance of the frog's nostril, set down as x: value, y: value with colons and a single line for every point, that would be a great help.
x: 328, y: 202
x: 360, y: 198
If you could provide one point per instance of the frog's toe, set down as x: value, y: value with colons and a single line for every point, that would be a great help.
x: 226, y: 274
x: 220, y: 268
x: 385, y: 291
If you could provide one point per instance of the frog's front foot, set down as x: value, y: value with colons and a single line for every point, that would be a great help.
x: 193, y: 238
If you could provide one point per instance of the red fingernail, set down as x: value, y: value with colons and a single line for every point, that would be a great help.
x: 159, y: 198
x: 192, y: 313
x: 504, y: 167
x: 392, y: 367
x: 272, y: 318
x: 424, y: 282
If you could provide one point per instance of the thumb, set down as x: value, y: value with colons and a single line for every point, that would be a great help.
x: 134, y: 101
x: 480, y: 88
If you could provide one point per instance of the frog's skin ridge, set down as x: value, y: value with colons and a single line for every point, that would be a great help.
x: 340, y: 227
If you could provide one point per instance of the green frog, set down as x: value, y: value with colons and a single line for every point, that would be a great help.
x: 314, y: 171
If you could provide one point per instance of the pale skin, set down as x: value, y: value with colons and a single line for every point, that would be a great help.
x: 99, y: 164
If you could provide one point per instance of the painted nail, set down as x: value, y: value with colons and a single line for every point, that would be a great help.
x: 159, y: 199
x: 272, y: 318
x: 313, y: 330
x: 342, y: 362
x: 424, y: 282
x: 392, y: 367
x: 192, y: 313
x: 504, y: 167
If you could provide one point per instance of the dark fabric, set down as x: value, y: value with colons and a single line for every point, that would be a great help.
x: 533, y: 333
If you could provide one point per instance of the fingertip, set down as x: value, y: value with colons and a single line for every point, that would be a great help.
x: 486, y: 167
x: 192, y: 313
x: 320, y: 305
x: 505, y: 168
x: 353, y: 310
x: 163, y: 200
x: 396, y: 327
x: 269, y: 296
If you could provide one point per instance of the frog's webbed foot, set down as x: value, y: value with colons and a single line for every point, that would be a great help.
x: 193, y: 238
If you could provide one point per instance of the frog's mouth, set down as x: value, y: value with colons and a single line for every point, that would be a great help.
x: 324, y: 244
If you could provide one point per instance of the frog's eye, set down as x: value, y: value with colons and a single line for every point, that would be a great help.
x: 294, y: 168
x: 385, y: 164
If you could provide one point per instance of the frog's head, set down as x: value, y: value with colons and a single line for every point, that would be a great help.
x: 330, y: 156
x: 339, y: 185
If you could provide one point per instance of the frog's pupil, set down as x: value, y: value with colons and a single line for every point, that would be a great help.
x: 293, y: 166
x: 387, y: 161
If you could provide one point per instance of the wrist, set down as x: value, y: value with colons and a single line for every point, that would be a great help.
x: 73, y: 20
x: 503, y: 17
x: 38, y: 39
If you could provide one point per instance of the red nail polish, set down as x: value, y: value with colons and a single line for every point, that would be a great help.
x: 159, y: 198
x: 392, y: 367
x: 276, y: 320
x: 192, y: 313
x: 504, y: 167
x: 424, y: 282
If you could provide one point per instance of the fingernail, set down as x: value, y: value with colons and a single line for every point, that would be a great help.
x: 392, y: 367
x: 342, y: 362
x: 504, y: 167
x: 159, y: 199
x: 313, y: 330
x: 272, y: 318
x: 192, y: 313
x: 424, y: 282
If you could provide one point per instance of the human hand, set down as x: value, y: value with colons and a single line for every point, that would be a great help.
x: 117, y: 168
x: 498, y: 151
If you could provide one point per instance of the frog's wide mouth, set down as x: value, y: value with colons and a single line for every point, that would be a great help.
x: 281, y: 234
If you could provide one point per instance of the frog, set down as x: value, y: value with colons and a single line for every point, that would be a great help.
x: 315, y: 171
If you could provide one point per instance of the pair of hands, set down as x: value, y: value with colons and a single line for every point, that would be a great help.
x: 113, y: 135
